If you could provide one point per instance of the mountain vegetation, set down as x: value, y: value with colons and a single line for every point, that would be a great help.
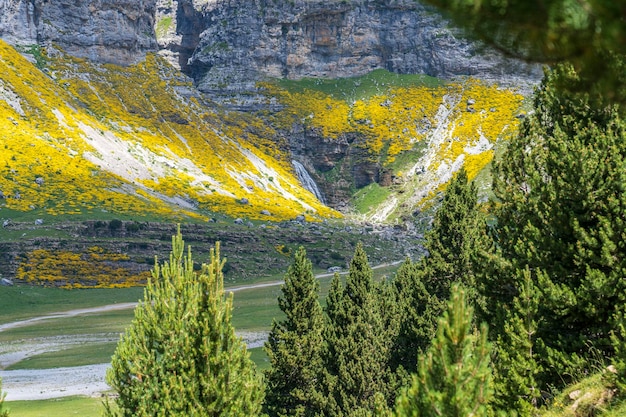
x: 518, y: 305
x: 130, y: 139
x: 542, y: 267
x: 81, y: 138
x: 295, y: 346
x: 3, y: 411
x: 180, y: 355
x: 454, y: 375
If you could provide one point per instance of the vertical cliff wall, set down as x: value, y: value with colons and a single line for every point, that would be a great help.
x: 227, y: 45
x: 113, y: 31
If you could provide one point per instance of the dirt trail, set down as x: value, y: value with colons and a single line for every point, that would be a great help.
x: 127, y: 306
x: 39, y: 384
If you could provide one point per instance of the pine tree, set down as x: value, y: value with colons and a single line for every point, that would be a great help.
x: 454, y: 242
x: 516, y: 364
x: 357, y: 355
x: 561, y: 210
x: 454, y: 378
x: 180, y: 356
x: 417, y: 319
x: 295, y: 346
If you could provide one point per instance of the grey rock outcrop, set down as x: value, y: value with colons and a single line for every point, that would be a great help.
x: 236, y: 43
x: 111, y: 31
x: 228, y: 45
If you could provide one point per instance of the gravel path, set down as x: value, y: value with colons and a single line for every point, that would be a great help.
x: 40, y: 384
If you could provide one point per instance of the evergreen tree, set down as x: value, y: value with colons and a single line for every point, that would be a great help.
x: 453, y: 378
x: 516, y: 363
x: 561, y: 210
x: 417, y: 319
x: 455, y: 245
x: 295, y: 346
x: 180, y: 356
x: 454, y: 242
x: 542, y: 30
x: 586, y: 34
x: 356, y: 360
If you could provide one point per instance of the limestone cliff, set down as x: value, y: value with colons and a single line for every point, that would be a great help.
x: 228, y: 45
x: 113, y: 31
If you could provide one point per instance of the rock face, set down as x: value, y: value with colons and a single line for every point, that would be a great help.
x: 227, y: 45
x: 111, y: 31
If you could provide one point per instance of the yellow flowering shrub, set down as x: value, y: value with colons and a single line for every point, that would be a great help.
x: 483, y: 114
x: 122, y: 139
x: 96, y: 268
x: 393, y: 122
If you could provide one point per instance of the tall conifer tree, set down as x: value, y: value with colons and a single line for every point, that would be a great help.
x: 358, y: 379
x: 454, y: 377
x: 562, y: 207
x: 180, y: 356
x: 295, y: 346
x: 517, y: 365
x: 454, y: 242
x: 417, y: 320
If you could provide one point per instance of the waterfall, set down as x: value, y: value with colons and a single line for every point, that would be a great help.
x: 306, y: 180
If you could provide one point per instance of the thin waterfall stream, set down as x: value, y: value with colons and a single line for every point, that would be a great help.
x: 306, y: 180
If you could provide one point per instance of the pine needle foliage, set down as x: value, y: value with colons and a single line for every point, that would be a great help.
x: 357, y: 377
x: 561, y: 209
x: 454, y: 376
x: 586, y: 34
x: 180, y: 356
x: 517, y: 366
x: 417, y: 318
x: 295, y: 344
x: 454, y: 242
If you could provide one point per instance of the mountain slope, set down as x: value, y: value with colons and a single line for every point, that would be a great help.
x: 392, y: 141
x: 79, y: 137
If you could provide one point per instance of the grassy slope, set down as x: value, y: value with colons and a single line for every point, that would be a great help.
x: 399, y: 120
x: 80, y: 139
x: 22, y: 302
x: 592, y: 396
x: 58, y: 407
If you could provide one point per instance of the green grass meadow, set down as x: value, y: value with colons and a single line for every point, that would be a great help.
x: 57, y: 407
x: 253, y: 311
x: 361, y: 87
